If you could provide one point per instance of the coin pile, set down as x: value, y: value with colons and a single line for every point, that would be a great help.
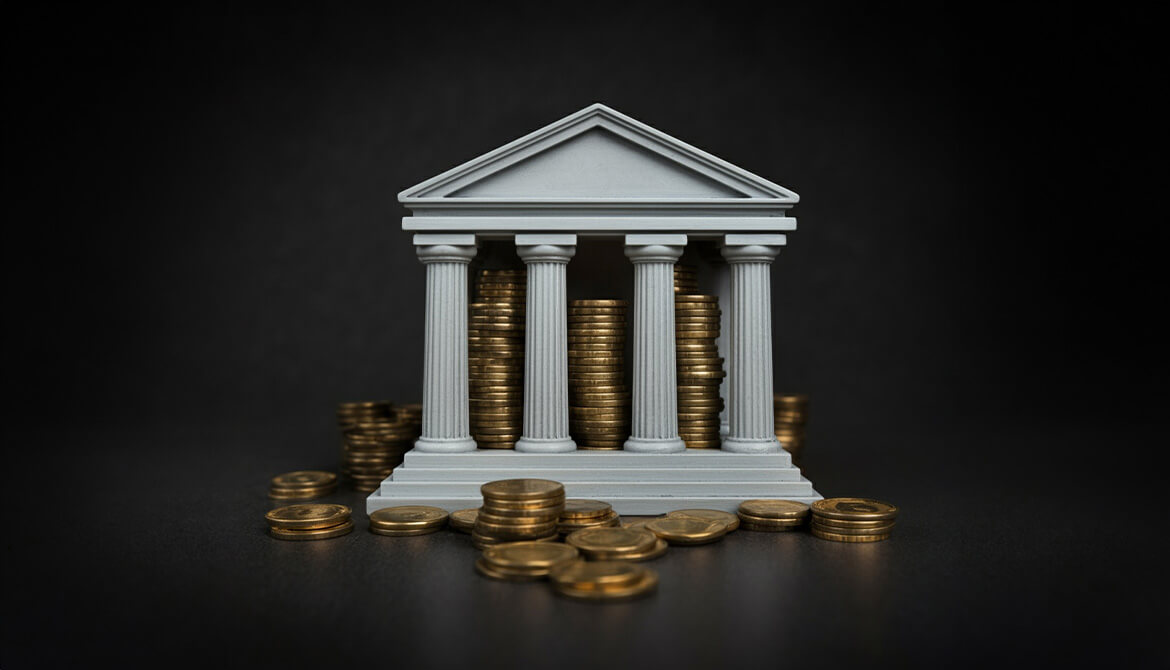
x: 579, y: 513
x: 524, y: 561
x: 853, y: 519
x: 518, y: 509
x: 791, y: 415
x: 302, y: 485
x: 406, y: 520
x: 772, y: 515
x: 602, y: 580
x: 700, y: 369
x: 371, y: 449
x: 685, y: 279
x: 599, y: 400
x: 309, y: 522
x: 351, y: 413
x: 495, y: 358
x: 687, y: 530
x: 617, y: 544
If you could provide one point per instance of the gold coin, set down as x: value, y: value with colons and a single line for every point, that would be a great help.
x: 485, y: 568
x: 550, y: 505
x: 530, y: 555
x: 403, y: 532
x: 774, y: 509
x: 727, y: 518
x: 300, y: 494
x: 408, y: 517
x: 603, y: 542
x: 597, y: 575
x: 307, y: 517
x: 599, y: 302
x: 522, y: 489
x: 830, y: 524
x: 687, y: 530
x: 650, y: 554
x: 692, y: 297
x: 872, y: 530
x: 304, y: 479
x: 580, y: 508
x: 839, y: 537
x: 644, y: 585
x: 314, y: 534
x: 771, y: 522
x: 507, y: 517
x: 765, y: 528
x: 638, y: 522
x: 855, y: 509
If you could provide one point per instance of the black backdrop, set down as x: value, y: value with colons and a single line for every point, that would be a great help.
x: 204, y: 239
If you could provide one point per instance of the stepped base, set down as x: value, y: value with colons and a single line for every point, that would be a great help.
x: 634, y: 483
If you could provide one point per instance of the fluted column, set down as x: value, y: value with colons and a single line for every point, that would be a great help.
x: 654, y: 420
x: 445, y: 425
x: 546, y: 362
x: 749, y: 403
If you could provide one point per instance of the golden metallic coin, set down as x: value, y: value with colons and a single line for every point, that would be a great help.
x: 790, y: 522
x: 530, y: 555
x: 596, y: 575
x: 404, y: 532
x: 830, y: 524
x: 580, y: 508
x: 406, y: 517
x: 485, y: 568
x: 687, y: 530
x: 658, y: 550
x: 551, y: 505
x: 304, y: 479
x: 774, y: 509
x: 839, y: 537
x: 307, y: 517
x: 638, y: 521
x: 766, y: 528
x: 731, y: 520
x: 855, y: 509
x: 314, y: 534
x: 300, y: 494
x: 642, y: 587
x: 606, y: 541
x: 599, y: 302
x: 523, y: 489
x: 872, y: 530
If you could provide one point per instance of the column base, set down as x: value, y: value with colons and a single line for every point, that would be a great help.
x: 441, y: 445
x: 740, y: 445
x: 655, y: 445
x: 724, y: 430
x: 556, y: 445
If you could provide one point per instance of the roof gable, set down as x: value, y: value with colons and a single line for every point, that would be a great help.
x: 595, y: 155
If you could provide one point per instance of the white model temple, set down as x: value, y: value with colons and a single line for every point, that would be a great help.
x: 600, y: 175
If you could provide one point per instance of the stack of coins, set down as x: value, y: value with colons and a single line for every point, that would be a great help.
x: 580, y: 514
x: 406, y: 520
x: 726, y: 518
x: 700, y: 369
x: 518, y: 509
x: 599, y: 400
x: 309, y: 522
x: 371, y: 450
x: 495, y: 357
x: 617, y: 544
x: 687, y: 530
x: 351, y: 413
x: 791, y: 416
x: 853, y: 519
x: 772, y: 516
x: 685, y: 279
x: 602, y: 580
x: 524, y: 561
x: 302, y: 485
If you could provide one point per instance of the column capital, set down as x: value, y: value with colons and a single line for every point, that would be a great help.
x: 752, y: 248
x: 445, y: 248
x: 655, y: 248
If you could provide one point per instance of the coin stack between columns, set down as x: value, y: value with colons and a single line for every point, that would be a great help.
x: 700, y: 369
x: 495, y: 333
x: 599, y: 400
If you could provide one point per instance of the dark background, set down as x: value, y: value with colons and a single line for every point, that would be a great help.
x: 204, y: 255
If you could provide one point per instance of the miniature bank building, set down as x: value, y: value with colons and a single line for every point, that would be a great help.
x: 624, y: 202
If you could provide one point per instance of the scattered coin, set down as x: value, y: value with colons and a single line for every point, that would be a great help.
x: 731, y: 520
x: 406, y: 520
x: 684, y: 530
x: 463, y: 520
x: 853, y: 519
x: 302, y: 485
x: 313, y: 534
x: 603, y: 580
x: 307, y: 517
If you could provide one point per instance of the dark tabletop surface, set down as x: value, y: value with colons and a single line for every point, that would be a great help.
x: 156, y: 552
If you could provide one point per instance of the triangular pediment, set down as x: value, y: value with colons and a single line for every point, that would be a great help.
x: 596, y: 155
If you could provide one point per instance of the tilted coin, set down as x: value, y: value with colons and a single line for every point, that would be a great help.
x: 731, y: 520
x: 304, y: 479
x: 314, y: 534
x: 530, y: 555
x: 307, y: 517
x: 406, y: 517
x: 605, y: 541
x: 861, y: 509
x: 658, y: 550
x: 580, y: 508
x: 687, y: 530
